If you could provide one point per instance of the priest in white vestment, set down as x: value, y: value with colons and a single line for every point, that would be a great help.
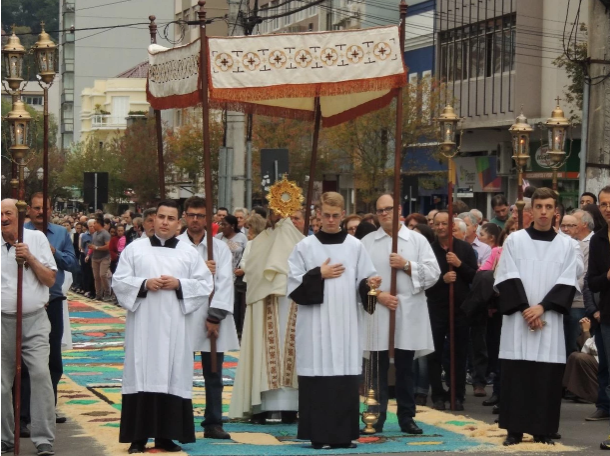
x: 537, y: 279
x: 211, y: 320
x: 418, y: 270
x: 326, y: 272
x: 266, y: 378
x: 160, y: 281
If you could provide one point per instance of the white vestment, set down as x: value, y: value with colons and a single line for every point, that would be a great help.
x: 223, y: 299
x: 266, y: 376
x: 158, y: 343
x: 413, y: 331
x: 328, y: 340
x: 540, y: 265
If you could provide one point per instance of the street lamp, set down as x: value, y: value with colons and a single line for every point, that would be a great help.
x: 13, y: 52
x: 557, y: 126
x: 520, y: 132
x: 47, y: 61
x: 448, y: 121
x: 40, y: 174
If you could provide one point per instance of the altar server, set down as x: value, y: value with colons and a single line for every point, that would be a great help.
x: 326, y: 271
x: 161, y: 281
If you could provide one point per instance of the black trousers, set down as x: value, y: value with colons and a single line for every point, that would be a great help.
x: 478, y: 352
x: 440, y: 330
x: 213, y: 389
x: 55, y: 312
x: 88, y: 280
x: 403, y: 361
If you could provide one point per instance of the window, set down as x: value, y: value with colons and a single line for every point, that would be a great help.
x: 276, y: 21
x: 478, y: 50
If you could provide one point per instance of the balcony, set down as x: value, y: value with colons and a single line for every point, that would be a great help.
x: 107, y: 121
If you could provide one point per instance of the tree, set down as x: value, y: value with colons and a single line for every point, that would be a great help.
x: 184, y: 146
x: 574, y: 62
x: 369, y: 140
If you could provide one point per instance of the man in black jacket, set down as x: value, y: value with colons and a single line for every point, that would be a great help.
x: 464, y: 262
x: 598, y: 276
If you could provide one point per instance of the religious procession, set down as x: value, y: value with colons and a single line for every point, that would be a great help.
x: 417, y: 271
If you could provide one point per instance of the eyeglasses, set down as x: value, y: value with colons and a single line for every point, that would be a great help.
x: 195, y: 216
x: 384, y: 210
x: 567, y: 226
x: 604, y: 206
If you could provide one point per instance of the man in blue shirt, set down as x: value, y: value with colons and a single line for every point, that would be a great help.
x: 63, y: 253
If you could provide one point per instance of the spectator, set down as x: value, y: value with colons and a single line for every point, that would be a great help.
x: 580, y: 376
x: 87, y: 271
x: 148, y: 225
x: 113, y: 248
x: 371, y: 218
x: 587, y: 198
x: 460, y: 206
x: 425, y: 231
x: 77, y: 275
x: 350, y: 223
x: 100, y: 259
x: 599, y: 222
x: 260, y: 211
x: 241, y: 214
x: 482, y: 250
x: 314, y: 225
x: 430, y: 218
x: 499, y: 205
x: 128, y: 217
x: 298, y: 220
x: 363, y: 229
x: 459, y: 229
x: 122, y: 242
x: 413, y: 219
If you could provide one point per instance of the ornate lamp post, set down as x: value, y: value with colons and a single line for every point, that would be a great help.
x: 47, y: 61
x: 19, y: 124
x: 448, y: 121
x: 557, y: 126
x: 520, y: 132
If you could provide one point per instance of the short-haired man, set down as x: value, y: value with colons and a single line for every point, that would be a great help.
x: 418, y: 270
x: 598, y: 276
x: 65, y: 259
x: 482, y: 250
x: 326, y: 271
x: 527, y: 213
x: 459, y: 229
x: 148, y: 223
x: 430, y: 218
x: 213, y: 319
x: 128, y: 217
x: 499, y: 205
x: 160, y: 281
x: 39, y: 275
x: 221, y: 213
x: 298, y: 220
x: 464, y: 262
x: 100, y: 259
x: 537, y: 280
x: 587, y: 198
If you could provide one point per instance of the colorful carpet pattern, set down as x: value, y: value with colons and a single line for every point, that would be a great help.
x: 90, y: 394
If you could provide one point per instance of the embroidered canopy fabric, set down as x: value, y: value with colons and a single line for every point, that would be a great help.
x: 353, y: 72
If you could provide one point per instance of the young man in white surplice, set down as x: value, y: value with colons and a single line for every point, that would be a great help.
x: 326, y: 272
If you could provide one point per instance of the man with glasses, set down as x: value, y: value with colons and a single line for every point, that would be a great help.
x: 65, y: 258
x: 39, y: 274
x: 214, y: 319
x: 464, y: 262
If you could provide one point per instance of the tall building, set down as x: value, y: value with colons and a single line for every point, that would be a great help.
x: 90, y: 52
x: 496, y: 58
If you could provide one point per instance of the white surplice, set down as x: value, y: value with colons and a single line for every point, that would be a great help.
x: 328, y: 340
x: 223, y: 299
x: 266, y: 378
x: 158, y: 343
x: 539, y: 265
x: 413, y: 331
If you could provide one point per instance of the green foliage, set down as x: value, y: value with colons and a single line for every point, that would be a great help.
x: 575, y: 67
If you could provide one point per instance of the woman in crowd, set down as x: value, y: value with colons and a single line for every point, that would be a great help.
x: 490, y: 235
x: 350, y: 223
x: 120, y: 232
x: 598, y: 218
x: 370, y: 218
x: 113, y: 249
x: 415, y: 219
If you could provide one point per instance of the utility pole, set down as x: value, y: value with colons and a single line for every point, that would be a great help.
x: 598, y: 138
x: 236, y: 127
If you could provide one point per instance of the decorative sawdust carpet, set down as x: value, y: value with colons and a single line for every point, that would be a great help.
x: 90, y: 393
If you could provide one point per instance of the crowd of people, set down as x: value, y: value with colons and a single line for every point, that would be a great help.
x: 531, y: 313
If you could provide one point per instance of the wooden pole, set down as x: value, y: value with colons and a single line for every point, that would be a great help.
x: 21, y: 206
x: 451, y: 289
x: 158, y: 126
x: 45, y: 161
x: 520, y: 203
x: 397, y: 169
x: 317, y: 119
x: 207, y: 161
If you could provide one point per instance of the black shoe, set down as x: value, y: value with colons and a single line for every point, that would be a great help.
x: 167, y: 445
x: 543, y: 439
x: 513, y: 439
x: 439, y: 405
x: 137, y: 447
x: 555, y: 436
x: 496, y: 409
x: 23, y: 429
x: 598, y: 415
x: 259, y: 418
x: 459, y: 406
x: 60, y: 419
x: 411, y: 428
x: 289, y: 417
x: 493, y: 400
x: 605, y: 445
x: 215, y: 431
x: 7, y: 448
